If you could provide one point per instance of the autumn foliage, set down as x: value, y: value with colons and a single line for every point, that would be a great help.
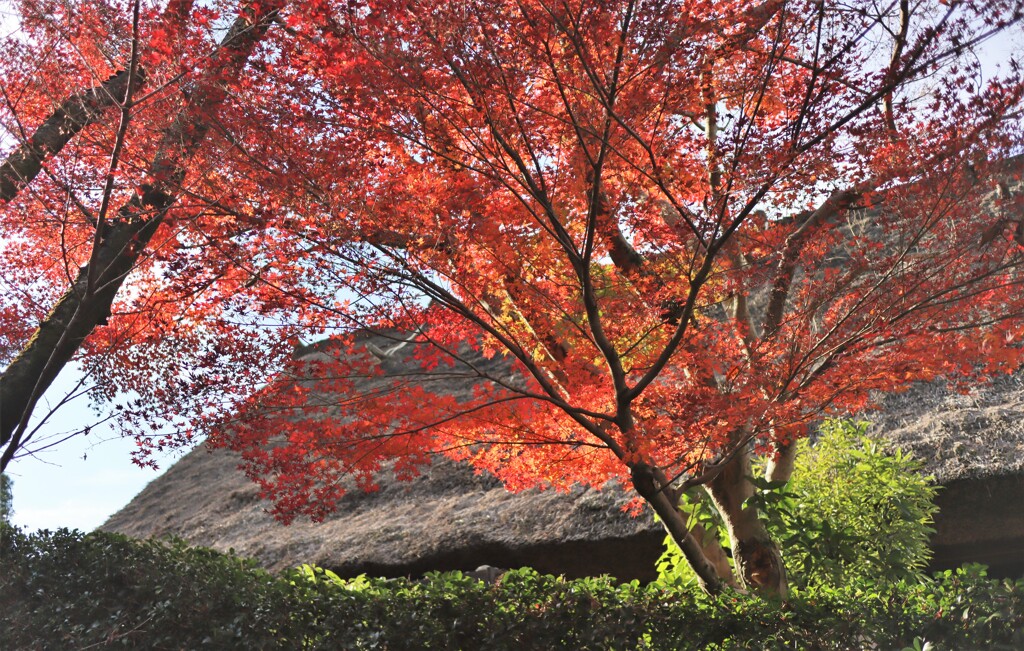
x: 654, y: 236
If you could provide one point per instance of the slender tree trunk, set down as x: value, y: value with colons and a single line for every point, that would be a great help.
x: 675, y: 523
x: 756, y: 556
x: 122, y: 241
x: 714, y: 552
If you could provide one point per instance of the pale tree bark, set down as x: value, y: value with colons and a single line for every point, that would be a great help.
x: 713, y: 551
x: 709, y: 575
x: 758, y: 562
x: 780, y: 467
x: 122, y: 240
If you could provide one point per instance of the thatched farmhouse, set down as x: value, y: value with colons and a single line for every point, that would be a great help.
x: 451, y: 518
x: 447, y: 518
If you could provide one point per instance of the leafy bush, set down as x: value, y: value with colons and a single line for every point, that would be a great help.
x: 6, y: 498
x: 65, y: 589
x: 851, y: 513
x: 68, y: 590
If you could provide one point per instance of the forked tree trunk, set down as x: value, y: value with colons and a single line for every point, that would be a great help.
x: 756, y: 556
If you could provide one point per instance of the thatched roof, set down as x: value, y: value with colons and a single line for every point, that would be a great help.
x: 448, y: 518
x: 451, y: 518
x: 973, y: 444
x: 959, y: 436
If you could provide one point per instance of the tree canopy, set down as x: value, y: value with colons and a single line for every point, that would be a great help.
x: 689, y: 230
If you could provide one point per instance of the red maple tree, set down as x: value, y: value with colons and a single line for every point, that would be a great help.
x: 692, y: 229
x: 663, y: 236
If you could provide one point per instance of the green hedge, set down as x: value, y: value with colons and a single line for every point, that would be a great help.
x: 68, y: 590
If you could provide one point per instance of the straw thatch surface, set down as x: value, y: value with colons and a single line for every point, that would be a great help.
x: 973, y: 443
x: 445, y: 519
x: 450, y: 518
x: 959, y: 436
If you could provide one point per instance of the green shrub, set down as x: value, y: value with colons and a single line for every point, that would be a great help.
x: 68, y: 590
x: 6, y: 498
x: 850, y: 513
x: 71, y: 589
x: 854, y: 511
x: 854, y: 524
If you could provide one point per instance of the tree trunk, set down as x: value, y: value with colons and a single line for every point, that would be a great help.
x: 780, y: 467
x: 88, y: 302
x: 75, y: 316
x: 756, y: 556
x: 74, y: 114
x: 714, y: 552
x: 675, y: 523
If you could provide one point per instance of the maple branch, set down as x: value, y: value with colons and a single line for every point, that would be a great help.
x: 685, y: 318
x: 622, y: 255
x: 708, y: 96
x: 900, y: 42
x: 125, y: 106
x: 817, y: 361
x: 75, y: 392
x: 18, y: 437
x: 525, y: 176
x: 838, y: 202
x: 754, y: 20
x: 538, y: 190
x: 509, y: 97
x: 551, y: 394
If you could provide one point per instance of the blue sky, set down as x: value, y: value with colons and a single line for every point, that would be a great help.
x: 78, y: 486
x: 81, y: 482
